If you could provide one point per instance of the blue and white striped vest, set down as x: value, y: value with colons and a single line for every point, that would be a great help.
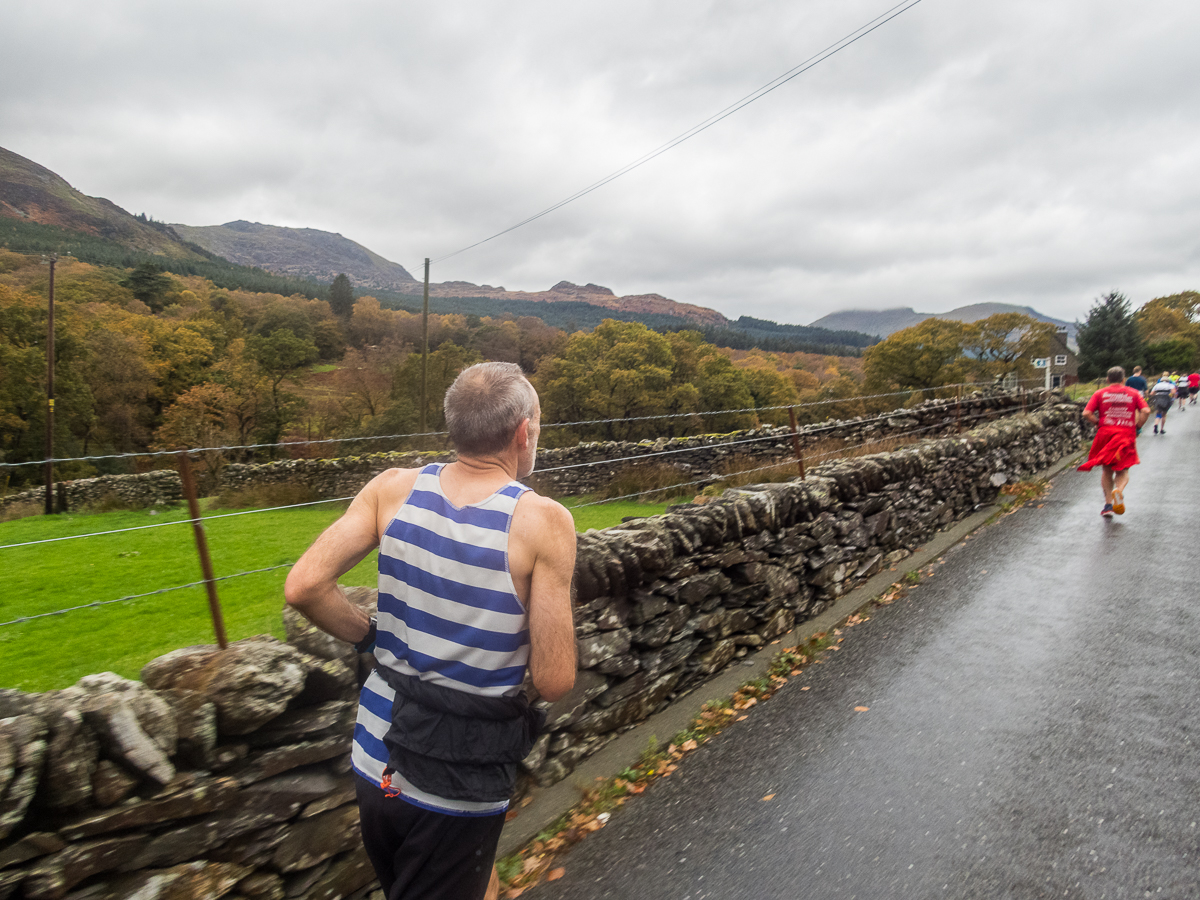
x: 448, y: 613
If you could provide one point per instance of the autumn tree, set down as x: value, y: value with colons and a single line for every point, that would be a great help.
x: 618, y: 372
x: 201, y: 418
x: 924, y: 356
x: 280, y: 355
x: 23, y: 328
x: 444, y: 365
x: 1109, y: 337
x: 1170, y: 332
x: 1004, y: 343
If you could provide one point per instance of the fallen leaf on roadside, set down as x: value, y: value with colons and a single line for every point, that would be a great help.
x: 555, y: 874
x: 740, y: 718
x: 510, y: 815
x: 768, y: 797
x: 688, y: 745
x: 806, y: 688
x: 861, y: 708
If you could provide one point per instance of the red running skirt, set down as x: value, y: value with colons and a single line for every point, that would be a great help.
x: 1115, y: 446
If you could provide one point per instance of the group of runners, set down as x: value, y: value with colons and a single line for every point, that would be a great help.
x: 1119, y: 411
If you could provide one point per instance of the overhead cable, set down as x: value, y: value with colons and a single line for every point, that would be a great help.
x: 837, y: 46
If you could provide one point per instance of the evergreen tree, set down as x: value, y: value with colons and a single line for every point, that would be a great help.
x: 341, y: 297
x: 1109, y: 337
x: 148, y: 283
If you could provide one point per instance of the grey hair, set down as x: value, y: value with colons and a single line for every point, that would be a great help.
x: 485, y: 405
x: 1116, y: 375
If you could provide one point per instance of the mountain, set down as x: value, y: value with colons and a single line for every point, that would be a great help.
x: 41, y: 213
x: 301, y: 252
x: 321, y: 255
x: 888, y: 321
x: 592, y: 295
x: 33, y: 194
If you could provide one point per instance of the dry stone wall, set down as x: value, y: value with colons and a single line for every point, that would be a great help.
x: 227, y: 773
x: 696, y: 458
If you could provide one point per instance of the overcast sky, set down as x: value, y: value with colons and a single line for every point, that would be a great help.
x: 1019, y: 151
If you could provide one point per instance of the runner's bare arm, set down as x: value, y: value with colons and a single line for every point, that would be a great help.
x: 1142, y: 415
x: 1091, y: 416
x: 312, y: 587
x: 551, y: 623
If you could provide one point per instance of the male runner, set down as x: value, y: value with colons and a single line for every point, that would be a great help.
x: 1137, y: 382
x: 474, y: 589
x: 1118, y: 411
x: 1160, y: 398
x: 1193, y: 386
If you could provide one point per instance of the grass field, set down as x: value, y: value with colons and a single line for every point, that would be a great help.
x: 56, y: 651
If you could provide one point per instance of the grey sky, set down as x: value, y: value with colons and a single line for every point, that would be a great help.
x: 1019, y: 151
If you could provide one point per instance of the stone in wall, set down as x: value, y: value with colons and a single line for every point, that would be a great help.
x: 250, y: 682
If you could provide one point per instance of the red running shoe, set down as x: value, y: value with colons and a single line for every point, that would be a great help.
x: 1107, y: 512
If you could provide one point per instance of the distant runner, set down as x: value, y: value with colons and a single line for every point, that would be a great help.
x: 1160, y: 399
x: 1137, y: 382
x: 1194, y: 386
x: 1181, y: 390
x: 1118, y: 411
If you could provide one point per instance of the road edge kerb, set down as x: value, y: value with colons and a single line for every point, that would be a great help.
x: 550, y: 803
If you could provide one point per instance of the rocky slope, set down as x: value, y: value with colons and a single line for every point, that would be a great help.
x: 303, y: 252
x: 32, y: 193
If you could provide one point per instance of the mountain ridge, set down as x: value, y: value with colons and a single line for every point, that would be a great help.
x: 884, y: 322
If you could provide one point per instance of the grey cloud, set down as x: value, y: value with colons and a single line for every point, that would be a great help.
x: 1022, y: 152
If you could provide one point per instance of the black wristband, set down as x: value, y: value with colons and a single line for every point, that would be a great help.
x: 365, y: 645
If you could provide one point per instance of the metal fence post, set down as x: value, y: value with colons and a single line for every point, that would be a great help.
x: 189, y: 491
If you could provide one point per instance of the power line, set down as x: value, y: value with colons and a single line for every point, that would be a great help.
x: 836, y: 47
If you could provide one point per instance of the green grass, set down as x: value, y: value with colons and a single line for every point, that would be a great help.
x: 57, y: 651
x: 121, y: 637
x: 605, y: 515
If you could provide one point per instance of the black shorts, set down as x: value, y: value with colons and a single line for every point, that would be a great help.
x: 1194, y: 391
x: 423, y: 855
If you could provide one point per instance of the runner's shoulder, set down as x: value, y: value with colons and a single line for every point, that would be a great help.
x: 543, y: 512
x: 391, y: 484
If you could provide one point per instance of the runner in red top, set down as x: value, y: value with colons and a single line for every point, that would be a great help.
x: 1194, y: 386
x: 1119, y: 412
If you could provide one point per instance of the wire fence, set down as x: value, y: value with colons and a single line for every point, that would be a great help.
x: 947, y: 422
x: 840, y: 451
x: 748, y: 410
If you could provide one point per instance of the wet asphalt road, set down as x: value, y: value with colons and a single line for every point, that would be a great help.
x: 1031, y: 729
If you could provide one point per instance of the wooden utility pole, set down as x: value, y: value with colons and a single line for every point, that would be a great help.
x: 50, y: 394
x: 796, y: 442
x: 425, y: 348
x: 210, y: 584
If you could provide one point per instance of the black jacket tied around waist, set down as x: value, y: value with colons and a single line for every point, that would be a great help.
x: 456, y: 745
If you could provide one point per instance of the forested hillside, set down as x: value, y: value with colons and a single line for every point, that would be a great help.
x: 152, y: 360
